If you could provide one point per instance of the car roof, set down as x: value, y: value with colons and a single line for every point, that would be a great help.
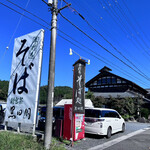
x: 58, y: 107
x: 101, y: 109
x: 44, y: 108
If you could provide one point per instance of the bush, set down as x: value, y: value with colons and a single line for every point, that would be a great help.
x: 126, y: 117
x: 145, y: 113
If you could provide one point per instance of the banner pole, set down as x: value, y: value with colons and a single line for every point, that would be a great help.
x: 38, y: 83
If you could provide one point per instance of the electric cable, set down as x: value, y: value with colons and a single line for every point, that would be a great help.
x: 103, y: 47
x: 128, y: 21
x: 18, y: 23
x: 13, y: 35
x: 28, y: 12
x: 104, y: 61
x: 135, y: 20
x: 25, y: 16
x: 133, y: 42
x: 87, y: 9
x: 87, y: 23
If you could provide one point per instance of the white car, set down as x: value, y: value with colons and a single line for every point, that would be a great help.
x: 103, y: 121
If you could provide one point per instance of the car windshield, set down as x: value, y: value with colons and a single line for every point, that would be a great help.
x: 92, y: 113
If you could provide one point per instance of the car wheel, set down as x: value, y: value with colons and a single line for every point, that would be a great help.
x: 108, y: 133
x: 123, y: 127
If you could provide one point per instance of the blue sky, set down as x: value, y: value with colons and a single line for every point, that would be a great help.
x: 126, y: 28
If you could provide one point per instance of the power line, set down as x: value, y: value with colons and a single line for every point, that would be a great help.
x: 133, y: 42
x: 130, y: 23
x: 26, y: 17
x: 104, y: 61
x: 125, y: 26
x: 135, y: 20
x: 103, y: 47
x: 87, y: 9
x: 86, y: 22
x: 28, y: 12
x: 110, y: 44
x: 17, y: 23
x: 13, y: 34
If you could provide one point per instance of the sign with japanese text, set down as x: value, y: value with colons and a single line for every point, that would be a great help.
x: 25, y: 78
x: 79, y: 86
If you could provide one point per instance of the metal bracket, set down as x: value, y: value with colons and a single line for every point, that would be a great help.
x: 46, y: 3
x: 57, y: 10
x: 64, y: 7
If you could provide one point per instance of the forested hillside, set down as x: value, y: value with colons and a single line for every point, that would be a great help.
x: 60, y: 92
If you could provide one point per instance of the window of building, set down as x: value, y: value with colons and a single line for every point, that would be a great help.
x: 95, y: 83
x: 114, y: 80
x: 104, y: 81
x: 118, y: 80
x: 124, y: 82
x: 108, y: 80
x: 99, y: 82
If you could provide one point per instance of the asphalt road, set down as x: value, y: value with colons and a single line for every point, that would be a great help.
x: 138, y: 142
x: 94, y: 140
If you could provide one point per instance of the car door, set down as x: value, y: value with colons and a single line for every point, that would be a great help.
x: 117, y: 119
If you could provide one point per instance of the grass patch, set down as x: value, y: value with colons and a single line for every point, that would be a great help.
x: 12, y: 141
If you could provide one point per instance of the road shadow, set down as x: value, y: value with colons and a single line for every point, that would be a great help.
x: 94, y: 136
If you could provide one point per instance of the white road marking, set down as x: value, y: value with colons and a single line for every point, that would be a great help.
x: 117, y: 140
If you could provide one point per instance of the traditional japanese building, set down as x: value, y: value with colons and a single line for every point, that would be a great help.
x: 107, y: 84
x: 148, y: 94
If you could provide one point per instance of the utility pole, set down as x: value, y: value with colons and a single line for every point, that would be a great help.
x: 51, y: 75
x: 51, y: 78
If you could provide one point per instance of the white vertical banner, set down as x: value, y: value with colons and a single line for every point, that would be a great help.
x: 24, y: 82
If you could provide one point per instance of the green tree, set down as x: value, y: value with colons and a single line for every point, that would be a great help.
x: 59, y: 93
x: 3, y: 90
x: 43, y: 94
x: 89, y: 95
x: 99, y: 101
x: 145, y: 112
